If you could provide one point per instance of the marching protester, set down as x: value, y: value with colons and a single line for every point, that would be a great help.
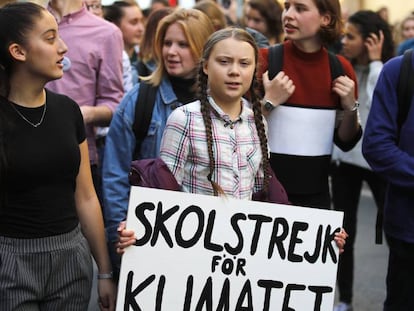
x: 368, y: 44
x: 51, y: 219
x: 217, y: 144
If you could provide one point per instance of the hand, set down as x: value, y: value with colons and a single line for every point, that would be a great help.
x: 340, y: 238
x: 125, y: 238
x: 107, y: 294
x: 345, y: 88
x: 279, y: 89
x: 374, y: 44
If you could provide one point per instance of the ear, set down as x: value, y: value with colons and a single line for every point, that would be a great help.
x: 205, y: 67
x: 325, y: 19
x: 17, y: 52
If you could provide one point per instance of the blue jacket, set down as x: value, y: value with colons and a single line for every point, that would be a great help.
x: 393, y: 160
x: 120, y: 146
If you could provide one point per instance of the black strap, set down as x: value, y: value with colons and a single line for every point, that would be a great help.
x: 405, y: 88
x: 275, y: 58
x: 143, y: 113
x: 335, y: 65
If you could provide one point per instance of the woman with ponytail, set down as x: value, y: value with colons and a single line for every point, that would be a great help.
x: 50, y: 217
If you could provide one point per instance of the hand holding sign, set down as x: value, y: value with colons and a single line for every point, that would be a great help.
x: 237, y: 255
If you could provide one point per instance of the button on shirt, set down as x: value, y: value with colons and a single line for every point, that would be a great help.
x: 236, y: 147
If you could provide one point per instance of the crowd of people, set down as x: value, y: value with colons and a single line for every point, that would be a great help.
x: 305, y: 125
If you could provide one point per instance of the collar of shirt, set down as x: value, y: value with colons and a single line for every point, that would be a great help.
x: 220, y: 114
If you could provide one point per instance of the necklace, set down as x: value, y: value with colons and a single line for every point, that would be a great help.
x: 27, y: 120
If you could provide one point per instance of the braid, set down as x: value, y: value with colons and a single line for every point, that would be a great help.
x: 205, y: 111
x: 258, y: 118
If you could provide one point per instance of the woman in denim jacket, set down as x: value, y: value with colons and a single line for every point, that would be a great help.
x: 177, y: 48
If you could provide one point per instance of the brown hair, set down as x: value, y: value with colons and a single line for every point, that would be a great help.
x: 271, y: 11
x: 16, y: 21
x: 147, y: 42
x: 332, y: 32
x: 196, y: 26
x: 240, y: 35
x: 213, y: 11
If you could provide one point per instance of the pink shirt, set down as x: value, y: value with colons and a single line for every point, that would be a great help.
x: 94, y: 76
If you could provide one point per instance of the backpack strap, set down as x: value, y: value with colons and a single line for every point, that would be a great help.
x: 335, y: 65
x: 143, y: 113
x: 405, y: 88
x: 275, y: 59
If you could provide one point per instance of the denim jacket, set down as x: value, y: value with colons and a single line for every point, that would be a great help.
x: 120, y: 146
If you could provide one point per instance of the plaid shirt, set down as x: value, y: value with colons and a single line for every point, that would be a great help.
x: 236, y: 147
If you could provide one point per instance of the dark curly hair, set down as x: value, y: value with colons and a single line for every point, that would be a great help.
x: 368, y: 22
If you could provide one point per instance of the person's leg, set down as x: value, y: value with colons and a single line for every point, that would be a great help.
x: 346, y: 185
x: 316, y: 200
x: 70, y: 281
x: 20, y: 280
x: 400, y: 285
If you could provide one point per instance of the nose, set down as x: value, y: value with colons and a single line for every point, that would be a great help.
x: 62, y: 46
x: 234, y: 69
x: 287, y: 13
x: 172, y: 49
x: 250, y: 23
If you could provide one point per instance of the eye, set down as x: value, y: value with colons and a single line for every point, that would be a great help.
x: 167, y: 43
x: 183, y: 44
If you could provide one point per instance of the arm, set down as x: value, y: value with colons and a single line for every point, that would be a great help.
x: 374, y: 45
x: 379, y: 146
x: 90, y: 217
x: 349, y: 129
x: 174, y: 150
x: 277, y: 90
x: 109, y: 87
x: 119, y: 148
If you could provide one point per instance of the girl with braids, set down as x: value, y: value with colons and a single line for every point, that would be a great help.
x: 48, y: 200
x: 234, y: 159
x: 217, y: 145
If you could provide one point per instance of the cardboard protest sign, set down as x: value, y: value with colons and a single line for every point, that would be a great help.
x: 204, y: 253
